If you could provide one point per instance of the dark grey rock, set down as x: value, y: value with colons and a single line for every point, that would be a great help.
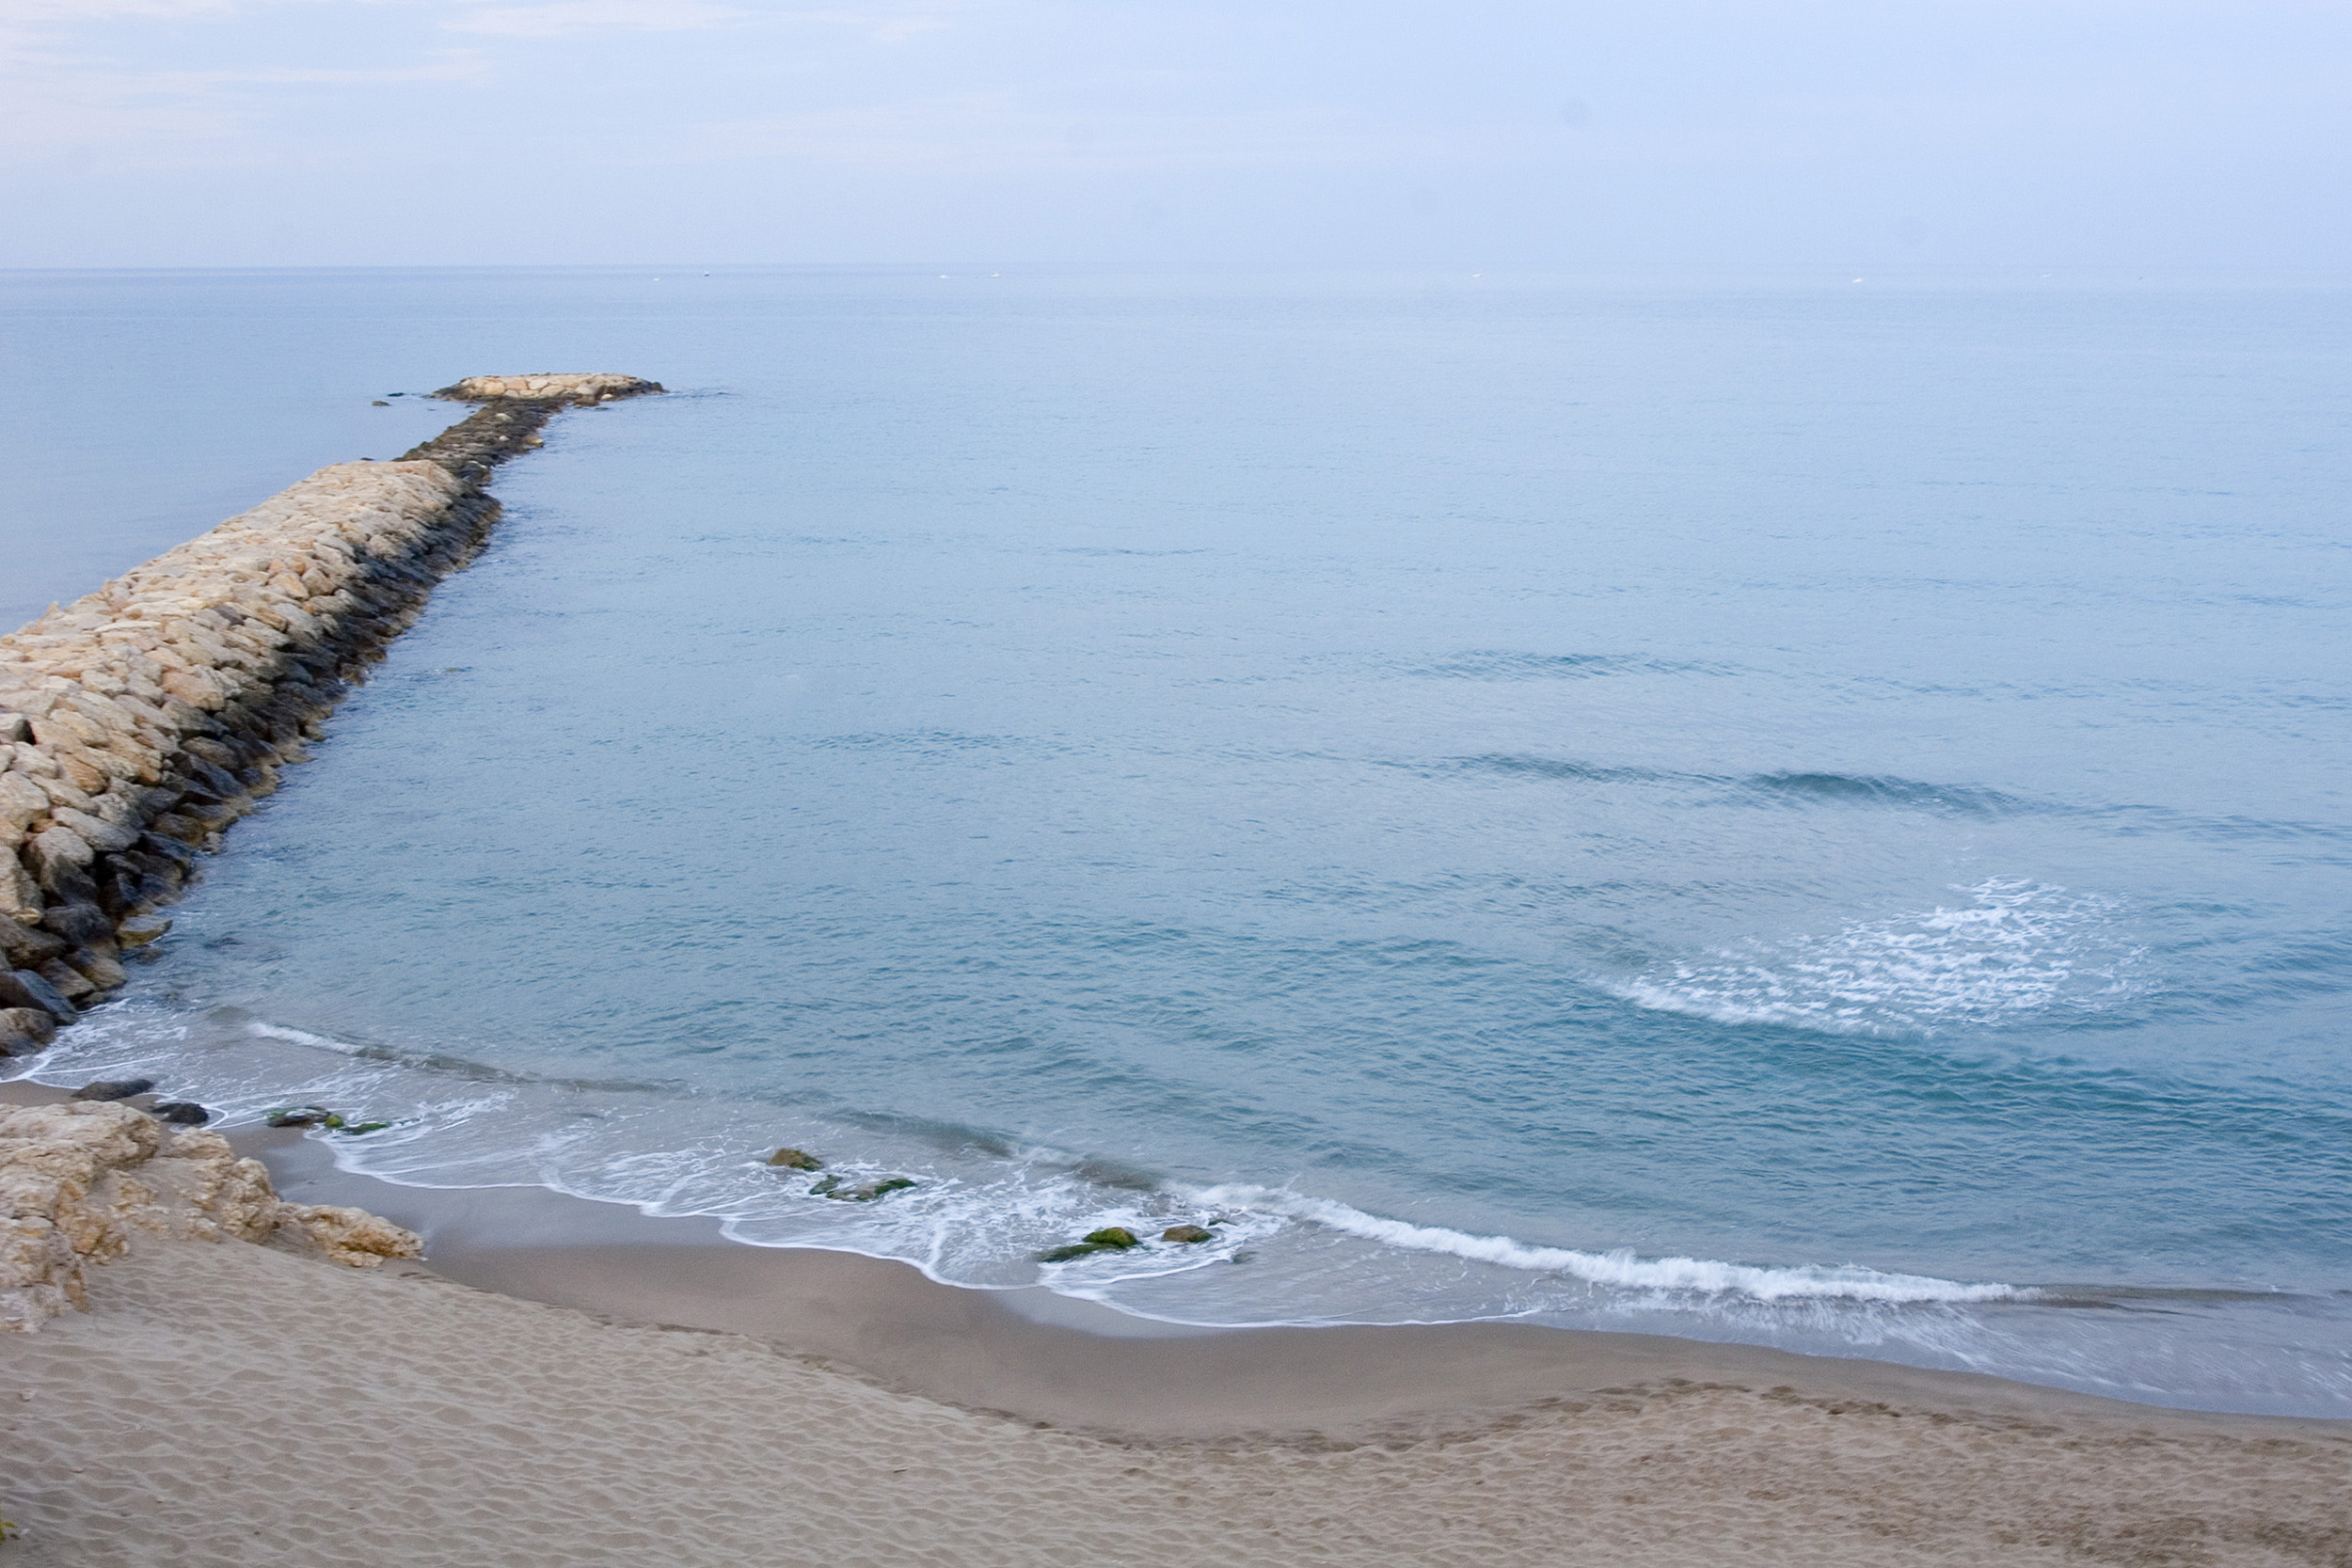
x: 79, y: 924
x: 66, y: 882
x: 183, y: 1113
x: 1187, y: 1233
x: 113, y: 1088
x: 168, y: 849
x: 22, y: 945
x: 831, y: 1187
x: 1073, y: 1251
x: 209, y: 780
x: 100, y: 963
x: 25, y: 987
x: 117, y: 890
x: 70, y: 982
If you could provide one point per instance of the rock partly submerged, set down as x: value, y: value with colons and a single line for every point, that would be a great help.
x: 840, y: 1191
x: 114, y: 1088
x: 1111, y: 1237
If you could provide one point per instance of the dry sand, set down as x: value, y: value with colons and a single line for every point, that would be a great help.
x: 230, y: 1404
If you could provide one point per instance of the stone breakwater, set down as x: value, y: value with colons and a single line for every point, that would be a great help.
x: 564, y: 389
x: 139, y: 721
x: 77, y: 1180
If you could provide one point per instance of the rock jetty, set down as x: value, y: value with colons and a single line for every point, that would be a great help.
x: 564, y: 388
x: 139, y: 721
x: 79, y: 1179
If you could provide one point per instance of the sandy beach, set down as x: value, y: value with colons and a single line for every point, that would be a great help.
x: 563, y: 1382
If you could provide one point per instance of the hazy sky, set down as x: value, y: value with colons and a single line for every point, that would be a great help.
x: 1267, y: 135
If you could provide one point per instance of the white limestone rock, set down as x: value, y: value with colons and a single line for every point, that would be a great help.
x: 76, y: 1179
x: 352, y: 1237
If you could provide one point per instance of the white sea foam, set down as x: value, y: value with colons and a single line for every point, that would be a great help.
x: 971, y: 1220
x: 1617, y: 1270
x: 302, y: 1036
x: 2019, y: 948
x: 981, y: 1218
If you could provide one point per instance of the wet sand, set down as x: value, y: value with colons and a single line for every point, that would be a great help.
x: 1048, y: 1357
x: 566, y: 1382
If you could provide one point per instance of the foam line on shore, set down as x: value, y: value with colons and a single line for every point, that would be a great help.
x: 139, y: 721
x: 1622, y: 1268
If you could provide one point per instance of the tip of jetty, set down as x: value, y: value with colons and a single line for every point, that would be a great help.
x: 603, y: 387
x: 137, y: 722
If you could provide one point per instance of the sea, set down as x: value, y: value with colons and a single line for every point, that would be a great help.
x: 1784, y: 807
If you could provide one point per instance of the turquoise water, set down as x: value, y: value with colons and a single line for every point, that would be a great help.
x: 1769, y: 809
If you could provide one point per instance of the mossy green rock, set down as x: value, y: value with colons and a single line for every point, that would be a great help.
x: 796, y: 1159
x: 831, y: 1187
x: 1111, y: 1237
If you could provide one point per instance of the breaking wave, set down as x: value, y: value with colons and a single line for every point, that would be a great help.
x: 1620, y: 1269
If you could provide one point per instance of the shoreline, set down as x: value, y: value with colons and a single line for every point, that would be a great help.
x: 562, y: 1379
x: 1073, y: 1364
x: 1039, y: 1355
x: 670, y: 1403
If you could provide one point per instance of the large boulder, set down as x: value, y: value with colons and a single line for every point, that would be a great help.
x: 78, y: 925
x: 25, y: 1029
x: 78, y: 1178
x: 117, y: 1136
x: 22, y: 945
x: 20, y: 895
x: 26, y: 987
x: 99, y: 965
x: 21, y: 802
x: 66, y: 1167
x: 213, y: 1193
x: 140, y: 930
x: 67, y: 981
x: 113, y: 1088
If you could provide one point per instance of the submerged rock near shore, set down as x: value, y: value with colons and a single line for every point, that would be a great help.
x: 79, y: 1179
x: 142, y: 719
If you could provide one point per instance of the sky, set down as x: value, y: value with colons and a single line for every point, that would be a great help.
x: 1192, y: 134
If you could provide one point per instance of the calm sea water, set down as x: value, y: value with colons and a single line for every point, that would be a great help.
x: 1774, y: 809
